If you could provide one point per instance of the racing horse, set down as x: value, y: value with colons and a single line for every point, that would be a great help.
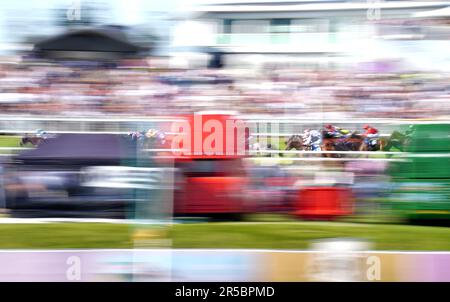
x: 396, y: 140
x: 151, y: 139
x: 295, y: 141
x: 31, y: 139
x: 331, y: 143
x: 378, y: 146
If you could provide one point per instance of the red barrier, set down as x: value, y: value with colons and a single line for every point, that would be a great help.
x: 214, y: 182
x: 324, y: 202
x: 211, y: 195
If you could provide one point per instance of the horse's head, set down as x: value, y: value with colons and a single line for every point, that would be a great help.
x: 355, y: 134
x: 288, y: 141
x: 295, y: 141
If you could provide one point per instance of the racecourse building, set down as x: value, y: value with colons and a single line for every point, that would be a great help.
x: 307, y: 33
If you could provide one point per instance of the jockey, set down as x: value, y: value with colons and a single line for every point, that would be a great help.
x: 312, y: 138
x: 159, y: 135
x: 335, y: 131
x: 41, y: 133
x: 136, y: 135
x: 371, y: 135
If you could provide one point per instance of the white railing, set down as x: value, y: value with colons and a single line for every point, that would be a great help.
x: 123, y: 125
x: 79, y: 132
x: 250, y: 152
x: 324, y: 152
x: 87, y: 119
x: 247, y: 118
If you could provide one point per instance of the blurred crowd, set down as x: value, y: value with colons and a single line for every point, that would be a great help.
x: 48, y: 89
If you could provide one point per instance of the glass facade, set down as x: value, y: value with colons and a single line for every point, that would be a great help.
x: 280, y: 31
x: 306, y: 32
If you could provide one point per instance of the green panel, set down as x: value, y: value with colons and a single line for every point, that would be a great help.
x: 430, y: 138
x: 422, y: 198
x: 430, y: 167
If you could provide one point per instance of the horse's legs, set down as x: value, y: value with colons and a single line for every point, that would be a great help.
x: 363, y: 147
x: 287, y: 148
x: 328, y: 147
x: 381, y: 148
x: 299, y: 148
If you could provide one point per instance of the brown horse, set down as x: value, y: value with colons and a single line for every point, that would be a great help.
x: 295, y: 141
x: 33, y: 140
x: 330, y: 143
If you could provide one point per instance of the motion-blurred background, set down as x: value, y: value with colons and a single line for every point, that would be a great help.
x: 90, y: 91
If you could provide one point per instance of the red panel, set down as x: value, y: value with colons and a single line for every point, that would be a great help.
x: 317, y: 202
x: 198, y: 132
x: 211, y: 195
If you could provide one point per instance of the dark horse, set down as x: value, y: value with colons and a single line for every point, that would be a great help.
x: 396, y: 140
x: 27, y: 139
x: 294, y: 142
x: 331, y: 143
x: 379, y: 146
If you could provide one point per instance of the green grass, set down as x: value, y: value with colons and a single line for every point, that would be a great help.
x: 298, y: 235
x: 64, y: 235
x: 9, y: 141
x: 258, y: 235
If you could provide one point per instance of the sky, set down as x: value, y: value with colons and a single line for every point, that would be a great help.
x: 19, y: 18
